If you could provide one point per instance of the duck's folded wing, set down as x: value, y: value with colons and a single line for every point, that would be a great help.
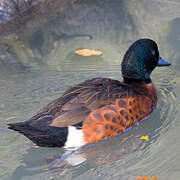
x: 75, y: 104
x: 79, y: 101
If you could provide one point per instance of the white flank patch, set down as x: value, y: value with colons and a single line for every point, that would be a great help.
x: 75, y: 138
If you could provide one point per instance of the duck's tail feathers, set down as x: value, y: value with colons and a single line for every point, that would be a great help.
x: 29, y: 132
x: 17, y: 126
x: 52, y: 137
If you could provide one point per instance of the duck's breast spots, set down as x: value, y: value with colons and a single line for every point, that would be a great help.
x: 101, y: 124
x: 110, y: 120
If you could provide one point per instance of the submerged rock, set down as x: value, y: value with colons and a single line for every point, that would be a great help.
x: 8, y: 60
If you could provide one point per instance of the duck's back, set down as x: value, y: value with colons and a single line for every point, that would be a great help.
x: 99, y: 108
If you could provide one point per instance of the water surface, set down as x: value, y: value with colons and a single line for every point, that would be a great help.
x: 38, y: 64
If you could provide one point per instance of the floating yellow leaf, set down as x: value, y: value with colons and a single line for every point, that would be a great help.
x: 145, y: 138
x: 147, y: 178
x: 154, y: 178
x: 143, y: 178
x: 88, y: 52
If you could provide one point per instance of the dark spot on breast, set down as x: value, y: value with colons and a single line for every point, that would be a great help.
x: 135, y: 107
x: 137, y: 116
x: 130, y: 111
x: 118, y: 131
x: 119, y: 117
x: 130, y: 103
x: 121, y: 103
x: 122, y: 123
x: 109, y: 135
x: 112, y: 127
x: 103, y: 137
x: 106, y: 126
x: 107, y: 116
x: 114, y: 120
x: 122, y: 112
x: 98, y: 130
x: 132, y: 118
x: 127, y: 117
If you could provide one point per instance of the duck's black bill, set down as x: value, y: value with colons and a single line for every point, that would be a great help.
x: 163, y: 62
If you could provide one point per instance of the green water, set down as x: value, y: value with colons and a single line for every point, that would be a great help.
x: 37, y: 64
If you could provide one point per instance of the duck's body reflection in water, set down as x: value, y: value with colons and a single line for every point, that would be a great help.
x: 59, y: 161
x: 90, y: 156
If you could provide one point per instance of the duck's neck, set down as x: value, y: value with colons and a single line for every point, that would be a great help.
x: 131, y: 80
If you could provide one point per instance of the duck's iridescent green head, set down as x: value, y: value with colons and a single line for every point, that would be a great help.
x: 140, y: 60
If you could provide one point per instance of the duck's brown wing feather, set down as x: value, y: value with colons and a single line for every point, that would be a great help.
x: 77, y: 102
